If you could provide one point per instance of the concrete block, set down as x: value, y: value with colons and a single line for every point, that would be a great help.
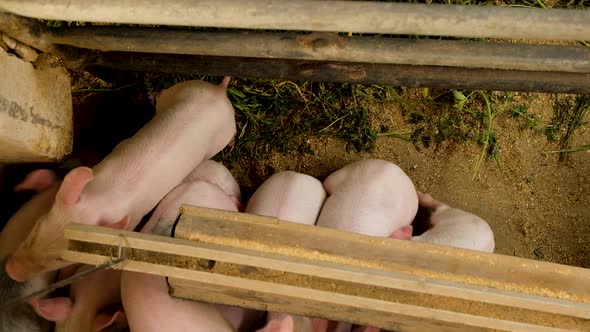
x: 35, y: 111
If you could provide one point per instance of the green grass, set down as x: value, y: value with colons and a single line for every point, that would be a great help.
x: 468, y: 116
x: 280, y: 116
x: 488, y: 136
x: 568, y: 116
x: 527, y: 119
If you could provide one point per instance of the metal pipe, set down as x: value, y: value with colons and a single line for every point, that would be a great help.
x: 328, y: 47
x: 322, y: 15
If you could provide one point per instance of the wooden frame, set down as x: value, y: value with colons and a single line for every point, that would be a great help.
x: 345, y: 72
x: 324, y: 56
x: 322, y: 15
x: 327, y: 47
x: 269, y: 264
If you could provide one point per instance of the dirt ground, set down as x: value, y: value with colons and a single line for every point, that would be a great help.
x: 536, y: 205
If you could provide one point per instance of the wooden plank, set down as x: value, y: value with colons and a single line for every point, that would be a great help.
x: 418, y: 259
x: 386, y: 315
x: 328, y: 47
x: 322, y: 15
x: 331, y: 272
x: 32, y: 33
x: 249, y: 298
x: 373, y: 283
x: 345, y: 72
x: 414, y: 277
x: 261, y: 295
x: 35, y: 111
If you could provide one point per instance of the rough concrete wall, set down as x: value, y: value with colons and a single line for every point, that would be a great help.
x: 35, y: 111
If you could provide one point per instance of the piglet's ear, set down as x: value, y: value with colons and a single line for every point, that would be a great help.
x: 121, y: 224
x: 38, y: 180
x: 403, y: 233
x: 71, y: 188
x: 106, y: 319
x: 238, y: 204
x: 366, y: 329
x: 57, y: 309
x: 319, y: 325
x: 284, y: 324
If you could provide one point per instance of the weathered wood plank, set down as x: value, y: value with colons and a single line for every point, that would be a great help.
x: 260, y: 295
x: 347, y: 72
x: 328, y: 47
x: 35, y: 111
x: 32, y: 33
x: 272, y: 295
x: 357, y: 310
x: 318, y: 15
x: 316, y: 269
x: 252, y: 294
x: 418, y: 259
x: 366, y: 281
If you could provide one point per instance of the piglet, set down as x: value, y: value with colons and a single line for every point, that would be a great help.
x: 289, y: 196
x: 454, y: 227
x: 372, y: 197
x: 297, y: 198
x: 451, y: 227
x: 147, y: 303
x: 44, y: 183
x: 194, y: 121
x: 94, y: 303
x: 21, y: 317
x: 210, y: 184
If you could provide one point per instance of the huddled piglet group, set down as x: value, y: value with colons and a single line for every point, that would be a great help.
x: 166, y: 164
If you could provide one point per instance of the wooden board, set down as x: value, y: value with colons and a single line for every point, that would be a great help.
x: 192, y: 283
x: 312, y: 58
x: 327, y: 47
x: 345, y: 72
x: 267, y: 264
x: 425, y: 260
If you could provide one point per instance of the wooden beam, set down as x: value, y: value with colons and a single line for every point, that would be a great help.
x: 322, y: 15
x: 265, y: 263
x: 346, y: 72
x: 328, y: 47
x: 574, y: 59
x: 305, y: 47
